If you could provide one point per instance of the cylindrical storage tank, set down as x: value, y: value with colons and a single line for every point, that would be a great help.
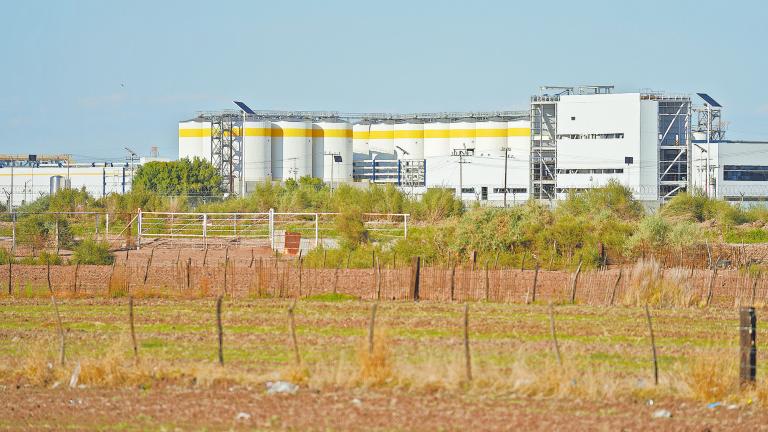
x: 360, y: 147
x: 462, y: 135
x: 195, y: 139
x: 57, y: 183
x: 291, y: 149
x: 257, y: 151
x: 331, y: 141
x: 408, y: 140
x: 381, y: 140
x: 490, y: 137
x: 519, y: 139
x: 436, y: 139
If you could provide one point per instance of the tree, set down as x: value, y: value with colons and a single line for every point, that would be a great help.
x: 181, y: 177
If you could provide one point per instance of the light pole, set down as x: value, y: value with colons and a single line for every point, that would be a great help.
x: 336, y: 158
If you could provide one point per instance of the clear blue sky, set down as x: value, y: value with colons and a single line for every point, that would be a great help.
x: 88, y: 78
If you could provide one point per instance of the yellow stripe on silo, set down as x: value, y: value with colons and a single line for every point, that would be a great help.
x: 331, y: 133
x: 409, y: 134
x: 490, y: 133
x: 436, y: 133
x: 291, y: 132
x: 258, y: 132
x: 381, y: 134
x: 462, y: 133
x: 363, y: 135
x: 518, y: 132
x: 194, y: 133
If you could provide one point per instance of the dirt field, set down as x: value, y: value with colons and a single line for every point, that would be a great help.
x: 248, y: 409
x: 605, y: 382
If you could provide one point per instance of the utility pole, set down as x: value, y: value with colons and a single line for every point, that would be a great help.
x: 461, y: 154
x: 335, y: 157
x: 506, y: 152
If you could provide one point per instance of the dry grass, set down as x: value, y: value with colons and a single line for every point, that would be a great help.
x: 375, y: 364
x: 650, y: 284
x: 712, y: 378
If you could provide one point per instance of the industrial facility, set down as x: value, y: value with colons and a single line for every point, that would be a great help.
x: 569, y: 139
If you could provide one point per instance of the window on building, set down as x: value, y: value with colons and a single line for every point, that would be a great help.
x: 573, y: 118
x: 617, y: 135
x: 745, y: 172
x: 510, y: 190
x: 468, y: 190
x: 591, y: 171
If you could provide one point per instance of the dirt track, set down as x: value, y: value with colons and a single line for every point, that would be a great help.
x: 218, y: 409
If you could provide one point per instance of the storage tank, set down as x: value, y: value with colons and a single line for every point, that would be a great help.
x: 195, y: 139
x: 381, y: 140
x: 360, y: 147
x: 462, y: 135
x: 408, y: 140
x: 436, y: 139
x: 332, y: 139
x: 519, y: 139
x: 491, y: 137
x: 291, y: 149
x: 257, y: 151
x: 58, y: 183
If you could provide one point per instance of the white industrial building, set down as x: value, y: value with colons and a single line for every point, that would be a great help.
x: 25, y: 178
x: 569, y: 139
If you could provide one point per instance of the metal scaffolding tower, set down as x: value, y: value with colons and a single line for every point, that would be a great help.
x: 227, y: 147
x: 543, y: 146
x: 674, y: 144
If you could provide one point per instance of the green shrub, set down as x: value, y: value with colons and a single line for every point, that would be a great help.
x: 349, y: 224
x: 93, y: 252
x: 5, y: 256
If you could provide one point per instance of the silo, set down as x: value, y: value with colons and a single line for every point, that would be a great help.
x: 408, y: 140
x: 381, y: 140
x: 490, y: 137
x: 291, y: 149
x: 195, y: 139
x: 462, y: 135
x: 519, y: 139
x: 360, y: 147
x: 332, y: 139
x: 257, y: 151
x: 436, y: 139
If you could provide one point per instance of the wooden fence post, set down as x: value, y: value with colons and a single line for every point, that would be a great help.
x: 747, y: 345
x: 189, y: 264
x: 149, y: 264
x: 532, y: 298
x: 467, y: 357
x: 133, y: 331
x: 415, y: 276
x: 378, y: 279
x: 615, y: 287
x: 573, y: 284
x: 487, y: 283
x: 653, y: 346
x: 10, y: 273
x: 712, y: 276
x: 371, y: 326
x: 292, y: 324
x: 474, y: 259
x: 553, y: 333
x: 453, y: 281
x: 77, y: 270
x: 220, y: 330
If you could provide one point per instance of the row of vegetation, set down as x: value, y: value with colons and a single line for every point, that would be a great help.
x: 592, y: 227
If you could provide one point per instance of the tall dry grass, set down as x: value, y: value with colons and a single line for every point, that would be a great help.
x: 650, y: 284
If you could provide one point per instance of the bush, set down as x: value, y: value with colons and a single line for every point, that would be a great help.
x: 93, y: 252
x: 349, y: 224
